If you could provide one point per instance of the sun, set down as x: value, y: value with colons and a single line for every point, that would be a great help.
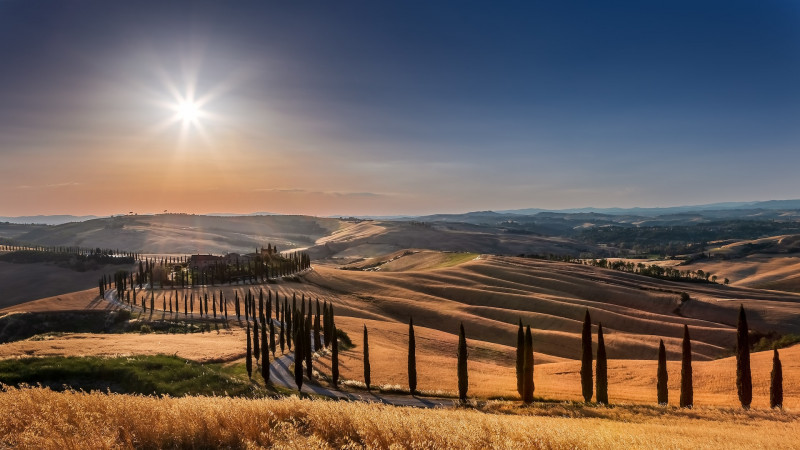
x: 188, y: 111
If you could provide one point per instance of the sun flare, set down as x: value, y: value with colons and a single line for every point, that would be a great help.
x: 188, y: 111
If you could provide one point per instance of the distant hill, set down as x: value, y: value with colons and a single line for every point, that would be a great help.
x: 47, y: 220
x: 638, y: 211
x: 182, y: 233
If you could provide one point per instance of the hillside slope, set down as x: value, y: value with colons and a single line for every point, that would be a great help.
x: 185, y: 234
x: 491, y: 294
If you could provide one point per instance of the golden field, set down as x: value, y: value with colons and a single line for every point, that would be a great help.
x: 488, y: 294
x: 37, y: 418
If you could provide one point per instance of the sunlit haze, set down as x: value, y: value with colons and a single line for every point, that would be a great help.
x: 373, y: 108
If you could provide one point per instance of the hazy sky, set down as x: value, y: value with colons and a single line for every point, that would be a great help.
x: 372, y: 107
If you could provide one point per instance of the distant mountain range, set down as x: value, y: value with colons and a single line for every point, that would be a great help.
x: 637, y: 211
x: 723, y: 210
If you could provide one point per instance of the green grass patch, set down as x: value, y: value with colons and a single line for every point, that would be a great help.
x: 454, y: 259
x: 159, y: 374
x: 770, y: 342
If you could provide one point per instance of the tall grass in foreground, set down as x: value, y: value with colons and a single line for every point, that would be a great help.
x: 40, y: 418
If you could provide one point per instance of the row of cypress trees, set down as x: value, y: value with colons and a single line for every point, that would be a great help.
x: 744, y: 383
x: 598, y: 385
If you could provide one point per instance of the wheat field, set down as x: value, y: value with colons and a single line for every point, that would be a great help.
x: 42, y: 419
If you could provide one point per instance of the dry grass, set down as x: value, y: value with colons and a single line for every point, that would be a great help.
x: 42, y: 419
x: 222, y: 345
x: 490, y: 294
x: 73, y: 301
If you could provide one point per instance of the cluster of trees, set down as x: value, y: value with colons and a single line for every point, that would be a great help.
x: 306, y: 330
x: 173, y: 272
x: 656, y: 271
x: 648, y: 270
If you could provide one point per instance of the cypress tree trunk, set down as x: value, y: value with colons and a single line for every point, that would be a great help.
x: 412, y: 358
x: 334, y: 357
x: 776, y: 382
x: 527, y: 367
x: 248, y: 359
x: 744, y: 382
x: 366, y: 358
x: 687, y: 391
x: 663, y: 378
x: 298, y: 358
x: 520, y: 357
x: 264, y: 356
x: 586, y: 358
x: 602, y: 367
x: 463, y: 376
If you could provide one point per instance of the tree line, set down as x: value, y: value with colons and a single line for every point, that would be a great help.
x: 174, y: 272
x: 594, y: 383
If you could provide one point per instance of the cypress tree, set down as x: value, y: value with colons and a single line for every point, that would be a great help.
x: 282, y: 320
x: 463, y: 377
x: 412, y: 357
x: 236, y: 306
x: 744, y: 382
x: 191, y: 302
x: 520, y: 357
x: 366, y: 358
x: 326, y: 329
x: 185, y: 305
x: 334, y: 356
x: 248, y: 358
x: 247, y: 305
x: 317, y: 336
x: 602, y: 367
x: 289, y: 319
x: 264, y: 356
x: 214, y: 304
x: 586, y: 358
x: 687, y: 390
x: 271, y: 330
x: 256, y: 344
x: 527, y: 367
x: 298, y: 358
x: 309, y: 352
x: 776, y: 382
x: 663, y: 378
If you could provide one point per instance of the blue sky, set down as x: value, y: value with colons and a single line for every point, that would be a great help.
x: 396, y: 107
